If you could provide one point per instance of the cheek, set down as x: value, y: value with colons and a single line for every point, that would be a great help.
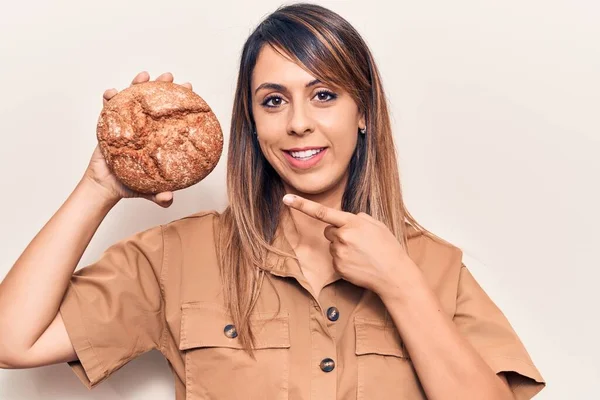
x: 345, y: 142
x: 268, y: 121
x: 341, y: 128
x: 270, y: 148
x: 271, y: 133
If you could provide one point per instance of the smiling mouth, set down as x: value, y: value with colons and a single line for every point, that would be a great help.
x: 305, y: 155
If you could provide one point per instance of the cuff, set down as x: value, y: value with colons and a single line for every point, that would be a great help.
x: 526, y: 384
x: 88, y: 367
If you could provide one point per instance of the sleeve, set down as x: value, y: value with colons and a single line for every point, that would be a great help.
x: 113, y: 309
x: 489, y: 331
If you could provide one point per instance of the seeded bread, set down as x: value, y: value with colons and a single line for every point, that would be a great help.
x: 159, y: 136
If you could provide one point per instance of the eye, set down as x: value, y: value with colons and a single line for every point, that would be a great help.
x: 269, y: 98
x: 322, y: 95
x: 275, y: 101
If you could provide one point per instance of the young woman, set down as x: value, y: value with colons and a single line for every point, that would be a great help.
x: 337, y: 294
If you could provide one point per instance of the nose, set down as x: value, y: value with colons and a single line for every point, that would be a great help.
x: 300, y: 121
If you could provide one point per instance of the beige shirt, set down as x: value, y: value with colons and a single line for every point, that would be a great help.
x: 160, y: 289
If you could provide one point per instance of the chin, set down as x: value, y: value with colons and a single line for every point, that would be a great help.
x: 312, y: 187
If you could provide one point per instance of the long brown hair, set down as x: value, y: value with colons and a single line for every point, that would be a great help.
x: 328, y: 47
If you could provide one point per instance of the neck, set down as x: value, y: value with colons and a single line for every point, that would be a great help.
x: 303, y: 230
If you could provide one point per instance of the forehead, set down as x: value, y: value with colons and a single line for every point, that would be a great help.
x: 273, y: 67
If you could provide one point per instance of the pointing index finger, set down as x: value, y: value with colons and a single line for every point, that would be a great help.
x: 318, y: 211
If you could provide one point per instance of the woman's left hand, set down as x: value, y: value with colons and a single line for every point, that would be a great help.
x: 365, y: 252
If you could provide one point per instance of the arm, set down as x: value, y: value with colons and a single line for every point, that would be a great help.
x: 444, y: 361
x: 464, y: 356
x: 31, y: 330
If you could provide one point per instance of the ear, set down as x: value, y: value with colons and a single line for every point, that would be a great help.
x: 361, y: 121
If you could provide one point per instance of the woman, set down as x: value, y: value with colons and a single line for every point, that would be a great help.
x: 337, y: 293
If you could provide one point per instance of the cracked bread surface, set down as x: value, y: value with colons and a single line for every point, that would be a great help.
x: 159, y: 136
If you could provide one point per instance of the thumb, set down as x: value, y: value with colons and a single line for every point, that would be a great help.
x: 164, y: 199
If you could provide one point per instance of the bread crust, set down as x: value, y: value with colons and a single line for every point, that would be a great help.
x: 159, y: 136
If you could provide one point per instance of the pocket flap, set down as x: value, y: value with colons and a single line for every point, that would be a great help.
x: 374, y: 337
x: 203, y: 325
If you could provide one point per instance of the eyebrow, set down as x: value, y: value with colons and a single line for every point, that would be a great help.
x: 281, y: 88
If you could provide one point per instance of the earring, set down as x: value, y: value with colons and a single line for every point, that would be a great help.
x: 363, y: 130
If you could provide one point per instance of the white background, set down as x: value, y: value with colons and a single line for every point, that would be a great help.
x: 495, y: 108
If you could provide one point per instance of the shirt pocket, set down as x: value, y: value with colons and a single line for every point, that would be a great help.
x: 216, y: 365
x: 384, y: 368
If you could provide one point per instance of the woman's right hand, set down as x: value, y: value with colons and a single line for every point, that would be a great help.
x: 98, y: 171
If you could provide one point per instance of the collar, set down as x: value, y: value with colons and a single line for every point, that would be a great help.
x: 276, y: 263
x: 286, y: 266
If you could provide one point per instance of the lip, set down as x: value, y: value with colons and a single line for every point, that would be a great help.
x: 305, y: 148
x: 305, y: 164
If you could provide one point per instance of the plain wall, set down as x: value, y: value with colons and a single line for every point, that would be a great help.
x: 495, y: 108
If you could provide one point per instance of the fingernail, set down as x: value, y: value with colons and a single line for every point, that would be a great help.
x: 288, y: 198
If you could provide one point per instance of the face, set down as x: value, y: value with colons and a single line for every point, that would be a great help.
x: 294, y: 111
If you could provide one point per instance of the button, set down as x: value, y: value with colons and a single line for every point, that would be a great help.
x: 327, y: 365
x: 333, y: 314
x: 230, y: 331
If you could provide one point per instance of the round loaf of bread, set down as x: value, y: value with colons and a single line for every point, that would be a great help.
x: 159, y: 136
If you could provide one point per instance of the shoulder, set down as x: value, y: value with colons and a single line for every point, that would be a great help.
x: 435, y: 256
x: 425, y: 243
x: 192, y: 228
x: 192, y: 221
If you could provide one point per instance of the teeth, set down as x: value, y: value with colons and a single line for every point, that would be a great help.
x: 305, y: 154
